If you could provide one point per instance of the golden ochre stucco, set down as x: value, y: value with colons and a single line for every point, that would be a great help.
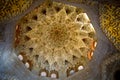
x: 11, y: 8
x: 110, y: 22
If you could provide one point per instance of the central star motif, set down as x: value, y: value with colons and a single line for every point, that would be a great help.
x: 56, y: 36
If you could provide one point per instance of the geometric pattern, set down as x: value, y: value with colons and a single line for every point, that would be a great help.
x: 55, y: 36
x: 110, y: 22
x: 12, y: 8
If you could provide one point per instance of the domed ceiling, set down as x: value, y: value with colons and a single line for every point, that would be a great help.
x: 56, y: 40
x: 55, y: 37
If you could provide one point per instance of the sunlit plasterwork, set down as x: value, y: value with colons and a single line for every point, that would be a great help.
x: 55, y: 36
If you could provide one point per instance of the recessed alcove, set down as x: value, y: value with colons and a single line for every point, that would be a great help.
x: 117, y: 75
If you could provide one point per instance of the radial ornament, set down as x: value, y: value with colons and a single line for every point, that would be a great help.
x: 55, y: 36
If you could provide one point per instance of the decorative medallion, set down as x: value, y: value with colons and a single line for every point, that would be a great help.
x: 55, y: 37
